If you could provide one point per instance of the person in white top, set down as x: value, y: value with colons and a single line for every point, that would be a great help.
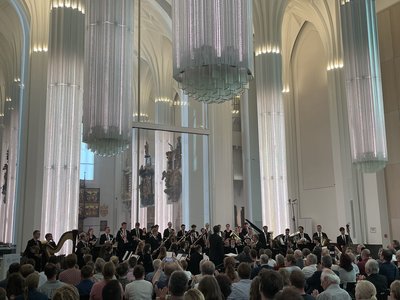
x: 139, y: 289
x: 311, y: 265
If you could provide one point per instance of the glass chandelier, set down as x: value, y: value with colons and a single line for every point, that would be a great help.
x: 212, y: 47
x: 363, y: 84
x: 107, y: 111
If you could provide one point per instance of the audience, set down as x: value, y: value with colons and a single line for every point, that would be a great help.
x: 255, y: 289
x: 330, y: 283
x: 112, y: 291
x: 210, y: 288
x: 298, y: 282
x: 264, y: 259
x: 49, y: 287
x: 71, y: 275
x: 271, y: 283
x: 66, y: 292
x: 387, y: 268
x: 346, y: 270
x: 225, y: 284
x: 85, y: 285
x: 395, y: 290
x: 139, y: 289
x: 364, y: 257
x: 108, y: 274
x: 15, y: 285
x: 122, y: 272
x: 13, y: 268
x: 241, y: 289
x: 365, y: 290
x: 193, y: 294
x: 311, y: 265
x: 132, y: 262
x: 379, y: 281
x: 30, y: 290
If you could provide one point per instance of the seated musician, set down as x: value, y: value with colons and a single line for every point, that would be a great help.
x: 227, y: 231
x: 302, y: 238
x: 92, y: 239
x: 49, y: 240
x: 106, y: 237
x: 192, y: 238
x: 34, y: 250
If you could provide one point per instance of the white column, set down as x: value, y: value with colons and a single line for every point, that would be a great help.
x: 63, y: 119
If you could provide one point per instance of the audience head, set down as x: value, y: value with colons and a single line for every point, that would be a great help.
x: 3, y: 294
x: 66, y: 292
x: 290, y: 260
x: 288, y: 293
x: 169, y: 268
x: 108, y: 270
x: 210, y: 288
x: 193, y: 294
x: 13, y: 268
x: 177, y: 284
x: 138, y: 272
x: 346, y: 262
x: 365, y: 290
x: 372, y: 266
x: 298, y: 254
x: 311, y: 259
x: 15, y: 285
x: 328, y: 277
x: 156, y: 264
x: 285, y: 276
x: 395, y: 290
x: 27, y: 269
x: 50, y: 270
x: 305, y: 252
x: 298, y: 279
x: 122, y: 269
x: 32, y: 281
x: 225, y: 284
x: 280, y: 260
x: 207, y: 267
x: 264, y: 259
x: 115, y: 260
x: 132, y: 262
x: 112, y: 290
x: 86, y: 272
x: 255, y: 289
x: 99, y: 265
x: 365, y: 254
x: 70, y: 260
x: 387, y: 255
x: 271, y: 283
x: 244, y: 270
x: 87, y: 258
x: 326, y: 261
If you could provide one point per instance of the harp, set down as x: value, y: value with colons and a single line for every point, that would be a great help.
x: 69, y: 235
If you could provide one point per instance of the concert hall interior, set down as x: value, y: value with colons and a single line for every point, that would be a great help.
x: 280, y: 154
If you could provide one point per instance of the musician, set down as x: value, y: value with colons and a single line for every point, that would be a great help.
x: 192, y: 237
x: 137, y: 232
x: 255, y: 243
x: 167, y: 231
x: 216, y: 247
x: 34, y: 250
x: 181, y: 232
x: 49, y: 240
x: 194, y: 261
x: 227, y: 231
x: 284, y: 241
x: 155, y: 240
x: 91, y: 238
x: 302, y: 237
x: 106, y: 237
x: 82, y: 248
x: 158, y: 232
x: 233, y: 247
x: 343, y: 240
x: 124, y: 241
x: 244, y: 231
x: 323, y: 237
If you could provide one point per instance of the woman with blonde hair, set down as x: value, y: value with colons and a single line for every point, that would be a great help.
x: 229, y: 266
x: 66, y: 292
x: 365, y: 290
x: 395, y: 290
x: 210, y: 288
x: 193, y: 294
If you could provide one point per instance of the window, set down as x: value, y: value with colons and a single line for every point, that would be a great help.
x: 87, y: 163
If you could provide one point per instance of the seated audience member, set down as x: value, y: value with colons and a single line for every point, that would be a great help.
x: 311, y: 265
x: 30, y: 290
x: 3, y: 294
x: 156, y: 265
x: 271, y: 261
x: 395, y: 290
x: 207, y: 267
x: 49, y: 287
x: 263, y: 265
x: 112, y: 291
x: 178, y: 284
x: 298, y: 282
x: 255, y: 289
x: 285, y: 276
x: 271, y: 283
x: 225, y: 284
x: 244, y: 256
x: 330, y: 283
x: 122, y: 271
x: 13, y: 268
x: 290, y: 263
x: 108, y: 274
x: 195, y: 259
x: 346, y: 270
x: 379, y: 281
x: 184, y: 266
x: 288, y: 293
x: 298, y: 255
x: 365, y: 256
x: 210, y: 288
x: 139, y: 289
x: 387, y: 268
x: 280, y: 261
x: 365, y: 290
x: 314, y: 282
x: 98, y: 269
x: 66, y: 292
x: 193, y: 294
x: 26, y: 270
x: 229, y: 268
x: 71, y: 275
x: 85, y: 285
x: 241, y: 289
x: 169, y: 268
x: 132, y: 262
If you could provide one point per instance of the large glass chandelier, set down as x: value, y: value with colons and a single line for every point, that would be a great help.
x: 363, y: 84
x: 212, y: 47
x: 107, y: 111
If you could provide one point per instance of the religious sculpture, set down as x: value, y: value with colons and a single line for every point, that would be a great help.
x: 146, y: 185
x: 173, y: 175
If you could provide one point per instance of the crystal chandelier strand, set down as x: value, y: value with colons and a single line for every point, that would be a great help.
x: 108, y: 76
x: 363, y: 84
x: 213, y: 52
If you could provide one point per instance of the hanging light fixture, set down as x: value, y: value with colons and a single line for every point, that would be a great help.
x: 107, y: 111
x: 212, y: 47
x: 363, y: 84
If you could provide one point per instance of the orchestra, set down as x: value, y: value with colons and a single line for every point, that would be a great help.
x: 216, y: 244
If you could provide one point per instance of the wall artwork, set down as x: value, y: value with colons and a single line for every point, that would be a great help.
x: 89, y: 202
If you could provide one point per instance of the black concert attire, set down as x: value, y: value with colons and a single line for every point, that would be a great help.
x: 136, y: 236
x: 92, y: 240
x: 216, y: 249
x: 321, y: 236
x: 265, y: 239
x: 124, y: 242
x: 167, y: 232
x: 106, y: 238
x: 82, y: 248
x: 227, y: 234
x: 343, y: 241
x: 180, y: 234
x: 194, y: 262
x: 155, y: 242
x: 34, y: 250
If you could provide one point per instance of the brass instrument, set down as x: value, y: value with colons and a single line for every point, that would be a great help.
x: 69, y: 235
x: 235, y: 236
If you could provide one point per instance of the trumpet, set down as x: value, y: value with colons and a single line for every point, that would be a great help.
x: 235, y: 236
